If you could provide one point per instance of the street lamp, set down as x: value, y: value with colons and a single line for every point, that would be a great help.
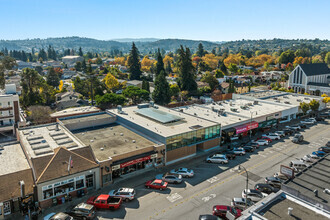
x: 251, y: 112
x: 247, y: 183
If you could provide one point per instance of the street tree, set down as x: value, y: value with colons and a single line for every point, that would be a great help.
x: 304, y: 107
x: 314, y: 105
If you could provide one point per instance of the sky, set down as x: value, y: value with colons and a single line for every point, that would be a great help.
x: 213, y: 20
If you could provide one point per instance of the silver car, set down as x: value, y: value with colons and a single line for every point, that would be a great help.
x: 184, y: 172
x: 127, y: 194
x: 241, y: 202
x: 170, y: 177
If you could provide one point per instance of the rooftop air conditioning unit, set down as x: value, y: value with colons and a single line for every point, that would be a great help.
x: 119, y: 108
x: 255, y: 102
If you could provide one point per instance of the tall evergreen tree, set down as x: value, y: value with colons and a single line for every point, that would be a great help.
x: 52, y: 78
x: 80, y: 52
x: 186, y: 70
x: 168, y: 67
x: 160, y: 63
x: 161, y: 95
x: 42, y: 54
x: 134, y: 65
x: 83, y: 65
x: 200, y: 50
x: 145, y: 85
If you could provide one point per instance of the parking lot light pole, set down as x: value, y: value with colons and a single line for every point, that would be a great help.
x: 251, y: 112
x: 247, y: 183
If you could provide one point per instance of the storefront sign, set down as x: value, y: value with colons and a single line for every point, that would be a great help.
x: 267, y: 123
x: 153, y: 156
x: 116, y: 167
x: 135, y: 161
x: 269, y: 118
x: 288, y: 171
x: 246, y: 127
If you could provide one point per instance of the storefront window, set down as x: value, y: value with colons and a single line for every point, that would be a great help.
x: 63, y: 189
x: 80, y: 184
x: 48, y: 193
x: 106, y: 178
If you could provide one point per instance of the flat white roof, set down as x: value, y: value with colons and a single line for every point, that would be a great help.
x: 12, y: 159
x: 77, y: 110
x: 294, y: 99
x: 167, y: 129
x: 42, y: 140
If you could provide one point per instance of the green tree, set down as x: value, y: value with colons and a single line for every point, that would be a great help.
x: 134, y: 65
x: 186, y: 71
x: 314, y: 105
x: 200, y: 50
x: 174, y: 90
x: 39, y: 69
x: 83, y: 66
x: 287, y: 57
x: 42, y: 54
x: 211, y: 80
x: 231, y: 88
x: 6, y: 63
x: 327, y: 58
x: 99, y: 61
x: 161, y: 95
x: 233, y: 68
x: 80, y: 53
x: 145, y: 85
x: 31, y: 82
x: 222, y: 67
x: 52, y: 77
x: 168, y: 67
x: 136, y: 94
x: 304, y: 107
x: 219, y: 73
x: 78, y: 66
x: 109, y: 100
x: 160, y: 63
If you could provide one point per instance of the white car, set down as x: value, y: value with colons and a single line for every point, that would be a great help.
x: 217, y: 158
x: 272, y: 136
x: 280, y: 133
x: 184, y: 172
x: 307, y: 122
x: 310, y: 158
x: 295, y: 127
x: 261, y: 142
x: 56, y: 216
x: 127, y: 194
x: 312, y: 119
x: 253, y: 194
x: 239, y: 151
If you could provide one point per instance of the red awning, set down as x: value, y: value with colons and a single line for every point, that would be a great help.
x: 246, y: 127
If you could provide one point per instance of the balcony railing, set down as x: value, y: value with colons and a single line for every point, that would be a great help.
x: 6, y: 116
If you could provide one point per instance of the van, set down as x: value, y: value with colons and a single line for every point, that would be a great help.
x: 297, y: 165
x: 297, y: 138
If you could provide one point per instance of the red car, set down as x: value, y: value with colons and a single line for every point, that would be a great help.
x: 265, y: 138
x: 156, y: 184
x: 105, y: 202
x: 221, y: 211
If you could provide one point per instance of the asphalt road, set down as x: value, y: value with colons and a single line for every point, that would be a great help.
x: 215, y: 184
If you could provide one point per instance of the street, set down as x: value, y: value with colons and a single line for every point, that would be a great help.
x: 213, y: 184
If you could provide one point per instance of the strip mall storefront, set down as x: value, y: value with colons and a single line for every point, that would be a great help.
x: 133, y: 164
x: 267, y: 124
x: 245, y: 129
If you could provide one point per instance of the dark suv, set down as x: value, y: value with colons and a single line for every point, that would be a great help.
x: 230, y: 154
x: 82, y: 211
x: 265, y: 188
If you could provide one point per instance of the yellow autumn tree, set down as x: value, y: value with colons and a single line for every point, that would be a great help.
x: 120, y: 60
x: 111, y: 82
x: 146, y: 64
x: 235, y: 59
x: 211, y: 60
x: 60, y: 87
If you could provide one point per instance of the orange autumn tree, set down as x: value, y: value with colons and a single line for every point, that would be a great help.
x: 120, y: 61
x: 211, y: 60
x: 146, y: 64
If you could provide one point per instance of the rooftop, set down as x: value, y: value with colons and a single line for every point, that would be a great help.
x: 111, y: 140
x: 70, y: 57
x: 43, y: 139
x: 12, y: 159
x: 230, y: 112
x: 85, y: 118
x: 165, y: 130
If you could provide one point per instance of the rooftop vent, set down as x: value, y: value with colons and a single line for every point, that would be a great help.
x: 133, y: 141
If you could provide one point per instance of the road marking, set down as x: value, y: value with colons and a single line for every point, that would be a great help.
x: 213, y: 179
x: 208, y: 198
x: 174, y: 197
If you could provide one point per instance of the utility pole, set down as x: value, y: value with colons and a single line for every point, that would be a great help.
x: 247, y: 183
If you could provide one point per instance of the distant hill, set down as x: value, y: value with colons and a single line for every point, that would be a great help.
x: 145, y: 45
x: 89, y: 44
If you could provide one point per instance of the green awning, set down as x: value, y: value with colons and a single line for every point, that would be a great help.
x: 267, y: 123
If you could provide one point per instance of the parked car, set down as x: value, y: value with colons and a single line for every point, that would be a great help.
x: 272, y: 136
x: 184, y: 172
x: 327, y: 144
x: 217, y: 158
x: 156, y: 184
x: 313, y: 120
x: 105, y: 201
x: 128, y: 194
x: 170, y: 177
x: 307, y: 122
x: 302, y: 125
x: 239, y: 151
x: 82, y: 211
x: 253, y: 194
x: 230, y: 154
x: 253, y: 144
x: 248, y: 148
x: 325, y: 149
x: 294, y: 127
x: 261, y: 142
x: 265, y: 188
x: 281, y: 176
x: 274, y: 181
x: 288, y: 131
x: 240, y: 203
x: 324, y: 115
x: 298, y: 165
x: 319, y: 119
x: 265, y: 138
x: 221, y: 211
x: 208, y: 217
x: 311, y: 158
x: 319, y: 153
x: 280, y: 133
x: 58, y: 216
x: 297, y: 138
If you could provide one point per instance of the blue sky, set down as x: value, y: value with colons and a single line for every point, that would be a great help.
x: 214, y: 20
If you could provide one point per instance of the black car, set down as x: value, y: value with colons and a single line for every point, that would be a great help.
x: 325, y: 149
x: 302, y: 125
x: 319, y: 119
x: 82, y: 211
x: 248, y: 148
x: 327, y: 144
x: 230, y: 154
x: 265, y: 188
x: 208, y: 217
x: 288, y: 131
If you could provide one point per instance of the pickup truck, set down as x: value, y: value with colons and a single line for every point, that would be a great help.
x: 105, y: 202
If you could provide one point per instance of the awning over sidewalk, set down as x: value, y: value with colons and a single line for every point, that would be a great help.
x: 267, y: 123
x: 246, y: 127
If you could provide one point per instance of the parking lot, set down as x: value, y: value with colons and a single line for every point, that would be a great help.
x: 213, y: 184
